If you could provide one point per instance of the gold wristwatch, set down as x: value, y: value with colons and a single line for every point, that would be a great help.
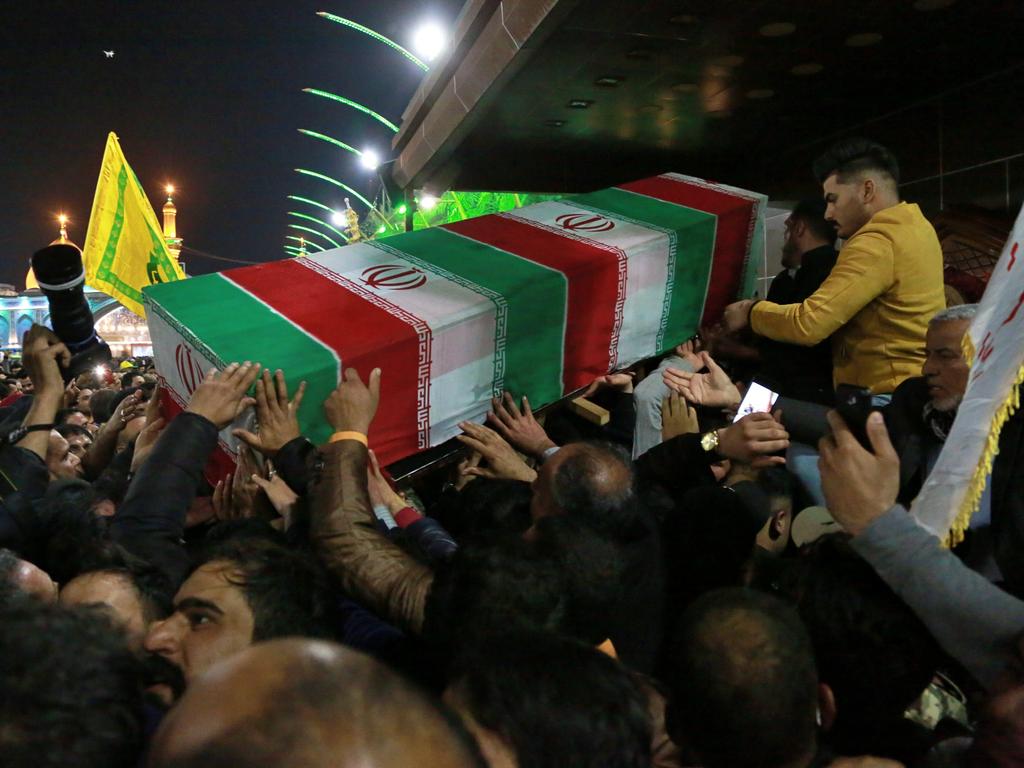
x: 709, y: 441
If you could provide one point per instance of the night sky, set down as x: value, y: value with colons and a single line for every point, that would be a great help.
x: 204, y: 94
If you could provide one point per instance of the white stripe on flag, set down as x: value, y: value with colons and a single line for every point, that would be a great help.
x: 647, y: 256
x: 462, y: 322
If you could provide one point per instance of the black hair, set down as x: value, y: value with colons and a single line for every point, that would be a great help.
x: 72, y: 689
x: 486, y: 506
x: 584, y: 486
x: 709, y: 539
x: 102, y: 405
x: 69, y: 532
x: 286, y: 590
x: 811, y: 212
x: 126, y: 378
x: 64, y: 413
x: 592, y: 569
x: 872, y: 651
x: 487, y: 590
x: 776, y: 482
x: 556, y: 702
x: 744, y: 688
x: 561, y: 582
x: 152, y: 586
x: 853, y: 156
x: 67, y: 430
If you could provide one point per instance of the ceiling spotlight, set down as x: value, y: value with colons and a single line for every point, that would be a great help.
x: 777, y: 29
x: 580, y: 103
x: 608, y: 81
x: 429, y: 40
x: 728, y: 60
x: 808, y: 68
x: 863, y: 39
x: 554, y: 123
x: 427, y: 201
x: 369, y: 159
x: 338, y: 219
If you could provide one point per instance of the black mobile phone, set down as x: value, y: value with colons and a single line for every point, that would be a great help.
x: 854, y: 405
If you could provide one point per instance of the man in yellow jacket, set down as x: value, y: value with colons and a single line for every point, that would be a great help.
x: 886, y: 284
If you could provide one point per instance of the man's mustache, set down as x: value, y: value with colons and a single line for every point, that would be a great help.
x: 160, y: 671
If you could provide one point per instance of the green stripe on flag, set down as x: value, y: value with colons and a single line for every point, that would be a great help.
x: 536, y: 298
x: 231, y: 322
x: 692, y: 244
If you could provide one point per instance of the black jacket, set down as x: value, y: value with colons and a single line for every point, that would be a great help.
x: 803, y: 373
x: 150, y: 523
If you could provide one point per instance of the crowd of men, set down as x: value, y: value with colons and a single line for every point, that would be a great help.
x: 680, y: 587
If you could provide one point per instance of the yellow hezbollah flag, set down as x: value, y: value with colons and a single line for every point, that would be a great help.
x: 124, y: 248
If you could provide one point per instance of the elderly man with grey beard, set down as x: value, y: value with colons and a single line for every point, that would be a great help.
x: 920, y: 418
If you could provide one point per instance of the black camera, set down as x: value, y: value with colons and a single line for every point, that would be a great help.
x: 61, y: 276
x: 855, y: 404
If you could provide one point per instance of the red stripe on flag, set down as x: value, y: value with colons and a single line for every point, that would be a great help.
x: 732, y: 235
x: 595, y: 290
x: 364, y: 335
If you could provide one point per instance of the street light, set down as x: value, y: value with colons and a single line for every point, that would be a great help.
x: 369, y: 159
x: 429, y: 40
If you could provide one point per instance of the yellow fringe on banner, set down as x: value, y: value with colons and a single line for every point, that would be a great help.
x: 981, y: 473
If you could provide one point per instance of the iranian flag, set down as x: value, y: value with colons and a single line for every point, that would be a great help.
x: 536, y: 301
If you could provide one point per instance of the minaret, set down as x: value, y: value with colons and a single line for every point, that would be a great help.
x: 170, y: 227
x: 30, y: 276
x: 302, y: 247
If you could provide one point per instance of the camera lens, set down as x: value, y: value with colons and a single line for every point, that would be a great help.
x: 61, y: 276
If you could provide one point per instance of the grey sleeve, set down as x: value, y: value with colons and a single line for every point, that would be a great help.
x: 648, y: 395
x: 975, y: 621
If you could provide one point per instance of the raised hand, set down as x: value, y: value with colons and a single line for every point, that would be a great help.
x: 221, y: 397
x: 690, y: 352
x: 713, y: 389
x: 621, y: 380
x: 277, y: 415
x: 131, y: 407
x: 752, y: 439
x: 43, y: 355
x: 677, y: 417
x: 352, y: 406
x: 519, y: 428
x: 860, y: 486
x: 502, y: 460
x: 737, y: 315
x: 380, y: 490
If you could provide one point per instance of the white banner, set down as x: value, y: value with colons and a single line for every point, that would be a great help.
x: 996, y: 337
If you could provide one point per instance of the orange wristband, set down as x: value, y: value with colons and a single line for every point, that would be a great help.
x: 359, y: 437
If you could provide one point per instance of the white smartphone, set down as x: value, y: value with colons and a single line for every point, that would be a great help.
x: 759, y: 399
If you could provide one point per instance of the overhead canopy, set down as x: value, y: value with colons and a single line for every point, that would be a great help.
x: 568, y: 95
